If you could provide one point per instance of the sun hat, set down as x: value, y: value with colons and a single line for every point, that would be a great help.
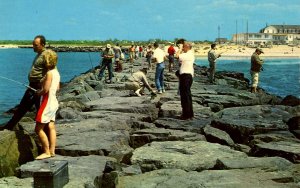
x: 108, y: 46
x: 259, y: 49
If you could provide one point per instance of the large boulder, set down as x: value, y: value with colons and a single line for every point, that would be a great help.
x: 240, y: 122
x: 16, y: 148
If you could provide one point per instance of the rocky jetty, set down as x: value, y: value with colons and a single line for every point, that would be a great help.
x: 112, y: 138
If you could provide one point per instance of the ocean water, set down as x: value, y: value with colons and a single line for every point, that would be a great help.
x: 280, y: 76
x: 16, y: 63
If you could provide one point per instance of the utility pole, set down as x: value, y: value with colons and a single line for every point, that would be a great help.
x: 236, y: 38
x: 247, y: 34
x: 219, y: 34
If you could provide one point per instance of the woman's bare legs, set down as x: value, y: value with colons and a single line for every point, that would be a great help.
x: 39, y: 129
x: 52, y: 138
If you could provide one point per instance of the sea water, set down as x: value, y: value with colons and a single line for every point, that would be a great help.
x: 16, y: 63
x: 280, y: 76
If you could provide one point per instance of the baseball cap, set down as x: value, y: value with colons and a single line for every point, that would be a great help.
x: 259, y: 49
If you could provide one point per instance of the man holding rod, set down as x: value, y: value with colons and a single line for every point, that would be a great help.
x: 212, y: 58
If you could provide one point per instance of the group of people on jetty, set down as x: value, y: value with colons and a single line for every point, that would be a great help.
x: 44, y: 80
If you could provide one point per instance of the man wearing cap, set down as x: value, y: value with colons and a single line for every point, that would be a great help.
x: 107, y: 56
x: 256, y: 67
x: 212, y: 58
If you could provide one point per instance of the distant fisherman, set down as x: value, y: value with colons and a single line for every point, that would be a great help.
x: 212, y: 58
x: 256, y: 67
x: 37, y: 72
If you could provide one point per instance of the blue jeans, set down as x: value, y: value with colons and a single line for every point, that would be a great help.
x: 106, y: 63
x: 159, y: 76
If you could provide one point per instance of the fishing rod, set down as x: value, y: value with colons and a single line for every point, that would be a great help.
x: 223, y: 52
x: 20, y: 83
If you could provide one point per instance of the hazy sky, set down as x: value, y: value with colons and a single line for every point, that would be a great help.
x: 141, y: 19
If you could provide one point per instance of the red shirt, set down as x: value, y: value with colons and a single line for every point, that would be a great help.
x: 171, y: 50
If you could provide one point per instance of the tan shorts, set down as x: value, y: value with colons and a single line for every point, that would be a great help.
x: 132, y: 86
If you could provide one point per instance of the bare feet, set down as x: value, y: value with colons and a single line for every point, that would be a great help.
x: 52, y: 154
x: 43, y: 156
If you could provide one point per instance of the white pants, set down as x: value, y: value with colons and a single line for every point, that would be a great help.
x: 254, y: 76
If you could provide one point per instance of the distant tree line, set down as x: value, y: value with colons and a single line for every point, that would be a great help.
x: 94, y: 42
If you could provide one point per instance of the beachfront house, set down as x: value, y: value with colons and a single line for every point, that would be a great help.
x: 272, y: 34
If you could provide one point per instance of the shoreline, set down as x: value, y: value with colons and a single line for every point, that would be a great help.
x: 230, y: 51
x: 248, y: 57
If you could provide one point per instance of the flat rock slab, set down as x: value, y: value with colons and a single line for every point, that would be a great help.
x: 92, y: 137
x: 285, y: 149
x: 173, y: 109
x: 144, y: 136
x: 194, y: 125
x: 82, y: 170
x: 186, y: 155
x: 176, y: 178
x: 266, y: 163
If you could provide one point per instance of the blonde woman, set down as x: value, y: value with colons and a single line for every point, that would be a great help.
x: 48, y: 106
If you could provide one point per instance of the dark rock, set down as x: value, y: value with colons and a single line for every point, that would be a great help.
x: 290, y: 100
x: 16, y: 148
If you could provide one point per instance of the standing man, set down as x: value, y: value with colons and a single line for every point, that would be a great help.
x: 131, y: 53
x: 108, y: 54
x: 171, y: 52
x: 158, y: 58
x: 118, y: 52
x: 149, y: 53
x: 256, y: 67
x: 212, y: 58
x: 37, y: 72
x: 186, y: 73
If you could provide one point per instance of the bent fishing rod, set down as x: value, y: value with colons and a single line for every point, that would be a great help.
x: 20, y: 83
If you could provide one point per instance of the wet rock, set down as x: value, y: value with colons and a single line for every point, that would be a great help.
x: 290, y: 100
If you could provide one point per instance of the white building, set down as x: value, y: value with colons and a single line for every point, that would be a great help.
x: 273, y: 34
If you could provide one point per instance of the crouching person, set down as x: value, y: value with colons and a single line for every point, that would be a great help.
x: 138, y: 81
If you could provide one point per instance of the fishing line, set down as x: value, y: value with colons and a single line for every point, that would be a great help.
x: 91, y: 61
x: 20, y: 83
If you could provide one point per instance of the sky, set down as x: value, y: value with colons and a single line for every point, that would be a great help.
x: 141, y: 19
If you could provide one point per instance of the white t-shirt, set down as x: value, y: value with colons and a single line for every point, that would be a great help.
x: 187, y: 62
x: 159, y: 54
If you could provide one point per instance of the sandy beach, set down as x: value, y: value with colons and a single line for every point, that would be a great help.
x: 232, y: 51
x: 8, y: 46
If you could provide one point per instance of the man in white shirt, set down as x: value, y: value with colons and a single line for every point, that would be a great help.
x: 158, y: 58
x: 186, y: 73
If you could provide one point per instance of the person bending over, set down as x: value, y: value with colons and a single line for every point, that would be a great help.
x: 138, y: 81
